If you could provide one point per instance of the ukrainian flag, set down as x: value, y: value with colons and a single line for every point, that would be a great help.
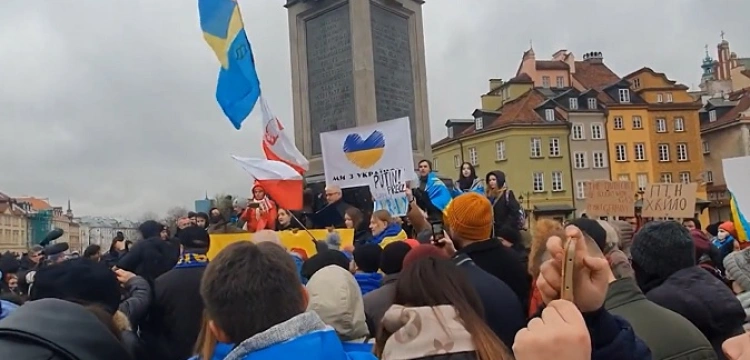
x: 438, y: 193
x: 739, y: 220
x: 238, y: 86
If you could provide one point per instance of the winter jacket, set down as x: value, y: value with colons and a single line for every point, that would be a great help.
x: 705, y: 301
x: 503, y: 312
x: 6, y: 307
x: 368, y: 281
x: 506, y: 210
x: 669, y: 335
x: 150, y: 258
x: 136, y: 304
x: 393, y: 232
x: 130, y: 339
x: 612, y: 338
x: 502, y: 262
x: 53, y: 329
x: 257, y: 221
x: 303, y: 334
x: 744, y: 299
x: 378, y: 301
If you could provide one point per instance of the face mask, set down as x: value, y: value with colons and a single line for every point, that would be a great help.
x: 722, y: 234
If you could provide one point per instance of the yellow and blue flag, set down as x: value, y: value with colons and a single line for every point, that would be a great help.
x: 238, y: 86
x: 739, y: 220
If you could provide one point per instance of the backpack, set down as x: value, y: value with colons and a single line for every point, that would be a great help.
x: 521, y: 223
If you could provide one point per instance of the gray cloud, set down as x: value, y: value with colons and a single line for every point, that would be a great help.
x: 110, y: 103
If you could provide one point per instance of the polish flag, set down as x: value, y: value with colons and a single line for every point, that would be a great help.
x: 282, y: 183
x: 277, y: 145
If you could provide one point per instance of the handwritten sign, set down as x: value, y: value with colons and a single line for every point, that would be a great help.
x: 610, y: 198
x: 669, y: 200
x: 387, y: 189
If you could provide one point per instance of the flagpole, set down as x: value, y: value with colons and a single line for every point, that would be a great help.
x: 303, y: 227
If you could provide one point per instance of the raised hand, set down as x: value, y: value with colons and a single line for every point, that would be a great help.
x: 560, y: 334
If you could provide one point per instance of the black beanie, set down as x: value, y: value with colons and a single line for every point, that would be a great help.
x: 661, y: 248
x: 150, y: 228
x: 592, y: 229
x: 323, y: 259
x: 509, y: 234
x: 78, y: 280
x: 392, y: 258
x: 367, y: 257
x: 194, y: 237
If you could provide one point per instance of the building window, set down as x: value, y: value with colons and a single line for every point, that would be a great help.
x: 549, y: 114
x: 624, y: 95
x: 573, y: 102
x: 577, y: 132
x: 642, y: 181
x: 473, y: 157
x: 623, y: 177
x: 579, y: 159
x: 661, y: 125
x: 669, y: 97
x: 554, y: 147
x: 592, y: 104
x: 557, y: 181
x: 456, y: 161
x: 636, y: 83
x: 682, y: 152
x: 685, y: 177
x: 618, y: 125
x: 545, y: 81
x: 621, y: 152
x: 500, y: 150
x: 597, y: 131
x: 560, y: 82
x: 538, y: 181
x: 637, y: 122
x: 450, y: 131
x: 663, y: 152
x: 478, y: 124
x: 706, y: 149
x: 709, y: 176
x: 580, y: 190
x: 712, y: 116
x: 600, y: 161
x: 679, y: 124
x: 536, y: 147
x: 659, y: 98
x: 640, y: 151
x: 666, y: 177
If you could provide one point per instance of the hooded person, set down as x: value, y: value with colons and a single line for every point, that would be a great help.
x: 707, y: 255
x: 335, y: 296
x: 506, y: 210
x: 725, y: 238
x: 173, y: 324
x: 261, y: 212
x: 663, y: 257
x: 367, y: 261
x: 152, y: 256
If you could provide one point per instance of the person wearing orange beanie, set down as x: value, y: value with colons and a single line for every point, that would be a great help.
x: 725, y: 238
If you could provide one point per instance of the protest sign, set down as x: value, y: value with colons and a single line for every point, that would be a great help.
x: 669, y: 200
x: 387, y: 189
x: 610, y: 198
x: 291, y: 240
x: 352, y: 157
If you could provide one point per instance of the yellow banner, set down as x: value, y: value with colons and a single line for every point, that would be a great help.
x: 291, y: 240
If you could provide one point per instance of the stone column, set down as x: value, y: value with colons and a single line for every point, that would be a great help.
x: 356, y: 62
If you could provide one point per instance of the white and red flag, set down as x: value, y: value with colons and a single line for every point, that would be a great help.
x: 280, y: 181
x: 277, y: 144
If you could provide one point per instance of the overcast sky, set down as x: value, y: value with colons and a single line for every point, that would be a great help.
x: 111, y: 103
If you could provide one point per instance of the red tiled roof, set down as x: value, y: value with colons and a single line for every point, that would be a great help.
x: 551, y: 65
x: 36, y: 204
x: 735, y: 114
x: 522, y: 78
x: 594, y: 75
x: 521, y: 110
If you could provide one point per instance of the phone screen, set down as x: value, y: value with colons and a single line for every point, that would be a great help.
x: 253, y: 205
x: 437, y: 231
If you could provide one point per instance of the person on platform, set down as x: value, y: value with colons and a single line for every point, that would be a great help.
x: 261, y: 213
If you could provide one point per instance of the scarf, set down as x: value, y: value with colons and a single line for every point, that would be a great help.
x: 265, y: 206
x: 191, y: 260
x: 391, y: 230
x: 419, y: 332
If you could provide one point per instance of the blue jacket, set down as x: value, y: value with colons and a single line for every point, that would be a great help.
x: 368, y: 281
x: 221, y: 351
x: 298, y: 262
x: 317, y: 345
x: 6, y: 307
x: 612, y: 338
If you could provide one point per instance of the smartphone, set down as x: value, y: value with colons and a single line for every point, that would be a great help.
x: 437, y: 233
x: 253, y: 205
x: 566, y: 289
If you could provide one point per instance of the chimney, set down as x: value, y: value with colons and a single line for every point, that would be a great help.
x: 594, y: 57
x: 495, y: 83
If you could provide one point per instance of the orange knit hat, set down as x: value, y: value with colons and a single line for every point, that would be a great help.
x: 469, y: 217
x: 728, y: 226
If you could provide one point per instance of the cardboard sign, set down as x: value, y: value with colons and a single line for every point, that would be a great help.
x: 387, y: 189
x: 291, y: 240
x: 610, y: 198
x: 669, y: 200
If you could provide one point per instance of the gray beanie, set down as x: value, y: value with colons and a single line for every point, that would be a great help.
x: 662, y: 248
x: 737, y: 267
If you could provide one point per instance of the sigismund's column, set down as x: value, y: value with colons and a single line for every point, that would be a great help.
x: 356, y: 62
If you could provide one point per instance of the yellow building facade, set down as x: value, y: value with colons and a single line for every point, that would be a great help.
x: 13, y: 229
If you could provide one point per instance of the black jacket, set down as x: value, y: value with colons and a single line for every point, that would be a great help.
x: 502, y: 262
x: 150, y: 258
x: 53, y: 329
x: 173, y: 324
x: 505, y: 209
x: 503, y: 311
x: 136, y: 304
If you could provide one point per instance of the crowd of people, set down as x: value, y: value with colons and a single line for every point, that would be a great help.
x: 479, y: 286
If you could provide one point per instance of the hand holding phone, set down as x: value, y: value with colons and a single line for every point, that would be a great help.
x: 568, y: 270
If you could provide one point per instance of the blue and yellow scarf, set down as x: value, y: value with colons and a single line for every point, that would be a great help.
x: 191, y: 260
